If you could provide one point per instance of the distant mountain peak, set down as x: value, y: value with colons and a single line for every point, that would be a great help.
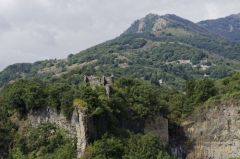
x: 145, y: 24
x: 156, y: 24
x: 227, y: 27
x: 170, y: 15
x: 235, y: 15
x: 151, y: 15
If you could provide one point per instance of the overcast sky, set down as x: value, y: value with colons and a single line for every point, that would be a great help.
x: 32, y: 30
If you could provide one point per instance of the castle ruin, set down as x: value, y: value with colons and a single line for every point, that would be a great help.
x: 104, y: 81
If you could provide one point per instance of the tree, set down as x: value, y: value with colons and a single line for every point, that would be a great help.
x: 108, y: 148
x: 67, y: 103
x: 204, y: 90
x: 145, y: 147
x: 25, y: 96
x: 197, y: 92
x: 45, y: 141
x: 6, y: 131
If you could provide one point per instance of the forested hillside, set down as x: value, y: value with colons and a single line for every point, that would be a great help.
x: 227, y: 27
x: 153, y: 48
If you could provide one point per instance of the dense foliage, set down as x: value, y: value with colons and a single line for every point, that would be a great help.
x: 119, y: 120
x: 25, y: 96
x: 131, y: 103
x: 45, y: 141
x: 137, y: 146
x: 6, y: 132
x: 198, y: 92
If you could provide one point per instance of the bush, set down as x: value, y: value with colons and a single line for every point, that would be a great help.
x: 145, y: 147
x: 138, y: 146
x: 198, y: 91
x: 46, y: 141
x: 25, y: 96
x: 108, y: 148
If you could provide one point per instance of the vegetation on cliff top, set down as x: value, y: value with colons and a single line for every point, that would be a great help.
x: 46, y: 141
x: 131, y: 102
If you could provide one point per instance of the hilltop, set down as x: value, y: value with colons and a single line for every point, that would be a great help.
x: 227, y: 27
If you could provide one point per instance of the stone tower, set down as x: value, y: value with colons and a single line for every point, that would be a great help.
x: 107, y: 82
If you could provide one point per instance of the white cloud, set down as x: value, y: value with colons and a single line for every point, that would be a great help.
x: 212, y: 11
x: 33, y: 30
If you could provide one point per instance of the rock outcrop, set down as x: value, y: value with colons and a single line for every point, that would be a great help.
x: 213, y: 135
x: 216, y: 135
x: 77, y: 127
x: 81, y: 128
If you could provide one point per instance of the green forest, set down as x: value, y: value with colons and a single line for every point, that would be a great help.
x: 131, y: 101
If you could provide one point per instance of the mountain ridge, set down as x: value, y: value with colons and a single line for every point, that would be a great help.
x: 227, y: 27
x: 165, y: 47
x: 156, y: 23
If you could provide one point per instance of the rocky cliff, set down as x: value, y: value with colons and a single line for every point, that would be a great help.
x: 215, y: 135
x: 81, y: 128
x: 77, y: 127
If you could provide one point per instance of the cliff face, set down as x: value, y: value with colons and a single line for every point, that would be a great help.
x: 81, y: 128
x: 77, y: 127
x: 215, y: 135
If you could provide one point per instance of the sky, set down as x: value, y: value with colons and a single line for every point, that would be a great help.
x: 33, y: 30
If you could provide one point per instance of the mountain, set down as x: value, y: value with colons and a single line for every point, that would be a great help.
x: 158, y: 25
x: 227, y: 27
x: 157, y: 48
x: 170, y: 27
x: 14, y: 71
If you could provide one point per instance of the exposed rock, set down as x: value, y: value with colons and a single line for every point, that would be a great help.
x: 141, y: 26
x: 77, y: 126
x: 159, y: 26
x: 80, y: 120
x: 216, y: 135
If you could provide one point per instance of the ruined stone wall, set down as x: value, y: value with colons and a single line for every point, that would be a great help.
x: 107, y: 82
x: 98, y: 81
